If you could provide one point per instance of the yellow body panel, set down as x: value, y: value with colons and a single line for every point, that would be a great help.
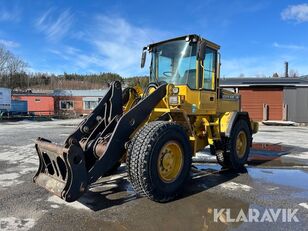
x: 197, y: 102
x: 206, y: 112
x: 206, y: 119
x: 225, y: 121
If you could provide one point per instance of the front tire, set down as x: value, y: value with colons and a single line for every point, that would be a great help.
x: 159, y: 160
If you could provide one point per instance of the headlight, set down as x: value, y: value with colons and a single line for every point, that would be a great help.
x: 175, y: 90
x: 173, y: 100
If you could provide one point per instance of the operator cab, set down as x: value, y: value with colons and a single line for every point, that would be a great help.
x: 188, y: 60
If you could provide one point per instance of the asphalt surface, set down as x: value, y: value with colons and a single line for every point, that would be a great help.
x: 275, y: 178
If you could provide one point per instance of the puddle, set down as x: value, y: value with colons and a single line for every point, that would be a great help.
x: 207, y: 167
x: 263, y: 152
x: 276, y: 149
x: 266, y: 154
x: 278, y: 155
x: 287, y: 177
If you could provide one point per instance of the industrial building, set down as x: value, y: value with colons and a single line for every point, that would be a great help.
x: 63, y: 103
x: 9, y: 106
x: 74, y: 103
x: 37, y: 103
x: 266, y: 99
x: 272, y: 98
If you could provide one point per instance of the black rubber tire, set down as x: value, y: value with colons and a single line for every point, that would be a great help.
x: 222, y: 154
x: 212, y: 149
x: 142, y: 156
x: 228, y: 158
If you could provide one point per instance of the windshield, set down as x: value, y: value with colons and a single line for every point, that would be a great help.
x: 174, y: 62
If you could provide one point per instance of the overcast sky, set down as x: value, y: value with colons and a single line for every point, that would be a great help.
x: 256, y: 37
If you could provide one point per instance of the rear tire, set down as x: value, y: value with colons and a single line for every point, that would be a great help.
x: 233, y: 154
x: 159, y: 160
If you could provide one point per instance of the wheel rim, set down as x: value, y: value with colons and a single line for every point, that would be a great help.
x: 170, y: 162
x: 241, y: 144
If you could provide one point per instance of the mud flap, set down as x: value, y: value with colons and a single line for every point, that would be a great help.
x: 62, y: 171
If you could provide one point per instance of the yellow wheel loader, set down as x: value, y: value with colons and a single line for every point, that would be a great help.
x: 156, y: 131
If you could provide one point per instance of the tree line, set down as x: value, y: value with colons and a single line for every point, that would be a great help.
x: 44, y: 81
x: 14, y: 75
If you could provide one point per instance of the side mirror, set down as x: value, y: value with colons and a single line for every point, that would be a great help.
x: 201, y: 51
x: 143, y: 58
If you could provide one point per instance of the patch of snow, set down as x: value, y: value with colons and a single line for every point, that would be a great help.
x: 305, y: 205
x: 236, y: 186
x: 272, y: 188
x: 13, y: 223
x: 25, y: 160
x: 9, y: 179
x: 16, y: 154
x: 59, y: 201
x: 103, y: 187
x: 27, y: 124
x: 9, y: 176
x: 116, y: 176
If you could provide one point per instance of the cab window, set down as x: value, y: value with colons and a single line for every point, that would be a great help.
x: 175, y: 62
x: 209, y: 71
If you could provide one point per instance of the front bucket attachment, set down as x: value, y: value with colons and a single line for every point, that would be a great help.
x: 96, y: 146
x: 62, y: 171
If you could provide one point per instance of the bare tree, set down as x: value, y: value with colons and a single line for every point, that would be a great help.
x: 293, y: 73
x: 12, y: 68
x: 15, y: 65
x: 275, y: 75
x: 4, y: 57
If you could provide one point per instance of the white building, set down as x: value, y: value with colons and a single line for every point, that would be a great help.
x: 5, y: 99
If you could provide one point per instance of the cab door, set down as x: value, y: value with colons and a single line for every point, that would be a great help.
x: 208, y: 93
